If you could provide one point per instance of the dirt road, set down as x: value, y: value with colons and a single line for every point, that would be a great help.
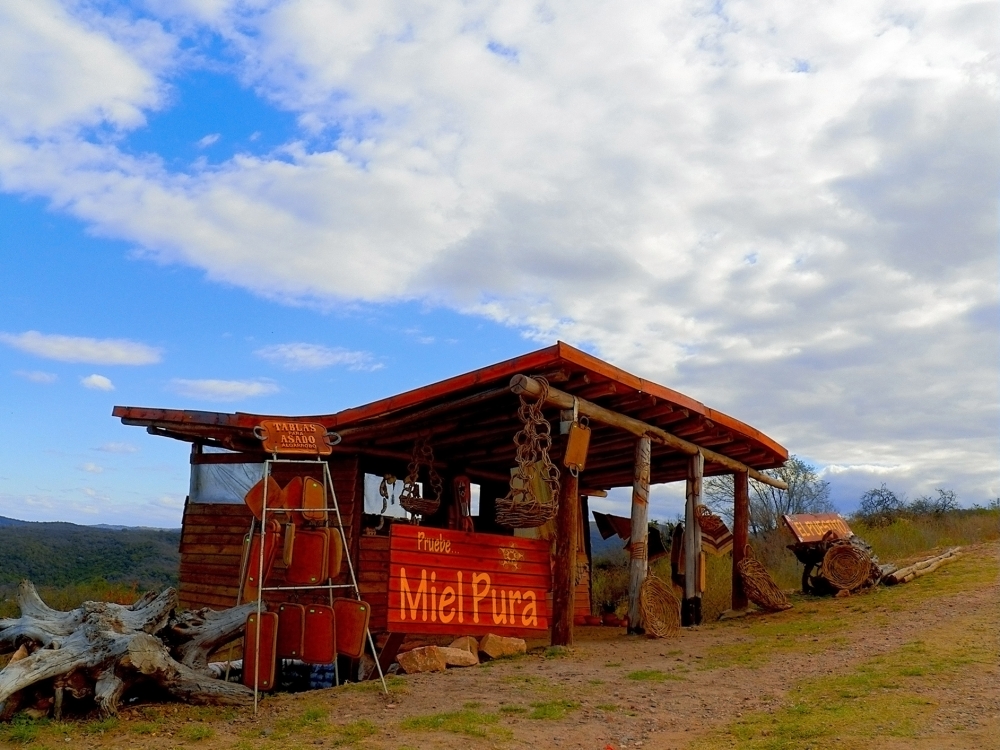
x: 915, y: 666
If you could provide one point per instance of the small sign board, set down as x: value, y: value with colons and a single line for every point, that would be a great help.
x: 461, y: 583
x: 812, y: 527
x: 284, y: 436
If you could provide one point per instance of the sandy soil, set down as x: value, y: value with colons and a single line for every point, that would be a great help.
x: 710, y: 676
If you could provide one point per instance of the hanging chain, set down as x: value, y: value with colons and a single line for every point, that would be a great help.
x: 383, y: 490
x: 409, y: 498
x: 521, y: 508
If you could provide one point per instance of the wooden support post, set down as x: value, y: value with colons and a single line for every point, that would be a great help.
x: 691, y: 608
x: 640, y: 532
x: 741, y: 533
x: 564, y: 580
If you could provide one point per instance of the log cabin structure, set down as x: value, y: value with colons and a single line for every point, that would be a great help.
x: 641, y: 433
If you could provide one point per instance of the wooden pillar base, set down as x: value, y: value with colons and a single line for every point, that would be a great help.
x: 691, y: 612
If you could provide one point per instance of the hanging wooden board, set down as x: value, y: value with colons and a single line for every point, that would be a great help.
x: 313, y: 501
x: 255, y: 496
x: 351, y: 616
x: 320, y: 635
x: 264, y: 666
x: 299, y: 438
x: 309, y: 558
x: 291, y: 630
x: 454, y: 582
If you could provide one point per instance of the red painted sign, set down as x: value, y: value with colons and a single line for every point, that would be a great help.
x: 456, y: 582
x: 812, y: 527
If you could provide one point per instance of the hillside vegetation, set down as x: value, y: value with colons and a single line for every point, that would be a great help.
x: 65, y: 554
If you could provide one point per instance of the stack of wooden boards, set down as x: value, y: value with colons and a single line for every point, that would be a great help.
x: 296, y: 522
x: 313, y: 633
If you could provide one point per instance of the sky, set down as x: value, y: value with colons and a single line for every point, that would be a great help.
x: 786, y: 210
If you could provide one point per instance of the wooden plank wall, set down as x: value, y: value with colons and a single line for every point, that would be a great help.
x: 373, y: 579
x: 212, y: 540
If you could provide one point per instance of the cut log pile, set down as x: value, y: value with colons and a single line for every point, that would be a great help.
x: 100, y: 651
x: 904, y: 575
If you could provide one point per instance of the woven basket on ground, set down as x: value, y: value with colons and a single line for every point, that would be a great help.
x: 759, y: 586
x: 661, y: 612
x: 848, y: 568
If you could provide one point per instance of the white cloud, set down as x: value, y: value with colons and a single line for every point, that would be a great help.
x: 37, y: 376
x: 208, y: 140
x: 118, y: 448
x: 97, y: 383
x: 223, y: 390
x: 82, y: 349
x: 299, y: 356
x: 786, y: 210
x: 92, y: 468
x: 58, y: 71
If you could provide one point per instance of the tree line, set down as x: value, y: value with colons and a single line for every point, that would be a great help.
x: 808, y: 493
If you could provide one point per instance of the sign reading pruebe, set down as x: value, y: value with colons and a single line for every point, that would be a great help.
x: 456, y: 582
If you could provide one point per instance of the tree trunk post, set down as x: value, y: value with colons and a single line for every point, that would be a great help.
x: 741, y: 534
x: 640, y: 533
x: 564, y: 593
x: 691, y: 608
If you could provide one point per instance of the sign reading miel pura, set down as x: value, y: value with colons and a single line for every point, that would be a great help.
x: 456, y: 582
x: 287, y: 437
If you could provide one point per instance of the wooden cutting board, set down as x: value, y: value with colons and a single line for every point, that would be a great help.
x: 291, y: 630
x: 335, y: 553
x: 352, y: 626
x: 309, y: 558
x: 271, y: 538
x: 320, y: 635
x: 264, y: 661
x: 313, y: 501
x: 255, y: 496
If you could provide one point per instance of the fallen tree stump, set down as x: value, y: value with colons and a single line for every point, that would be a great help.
x: 904, y: 575
x: 102, y: 650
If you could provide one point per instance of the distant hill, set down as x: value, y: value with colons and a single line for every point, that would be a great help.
x: 58, y: 554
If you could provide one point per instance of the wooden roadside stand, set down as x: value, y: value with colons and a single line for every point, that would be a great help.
x: 446, y: 570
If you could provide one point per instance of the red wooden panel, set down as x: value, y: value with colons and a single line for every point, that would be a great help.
x: 352, y: 626
x: 443, y: 581
x: 262, y: 668
x: 320, y: 635
x: 291, y: 630
x: 309, y: 559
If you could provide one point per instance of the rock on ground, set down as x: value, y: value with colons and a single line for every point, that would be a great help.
x: 458, y: 657
x: 497, y: 646
x: 422, y: 659
x: 466, y: 643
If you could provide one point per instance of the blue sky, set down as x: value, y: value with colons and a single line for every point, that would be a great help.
x: 785, y: 210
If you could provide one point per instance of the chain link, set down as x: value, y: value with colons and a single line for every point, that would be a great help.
x: 521, y: 508
x: 409, y: 498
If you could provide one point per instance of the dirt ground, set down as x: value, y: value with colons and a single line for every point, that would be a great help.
x: 913, y: 666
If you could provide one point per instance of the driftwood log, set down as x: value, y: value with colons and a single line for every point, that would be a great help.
x: 904, y: 575
x: 101, y: 650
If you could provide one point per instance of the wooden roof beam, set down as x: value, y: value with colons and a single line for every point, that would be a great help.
x: 523, y: 384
